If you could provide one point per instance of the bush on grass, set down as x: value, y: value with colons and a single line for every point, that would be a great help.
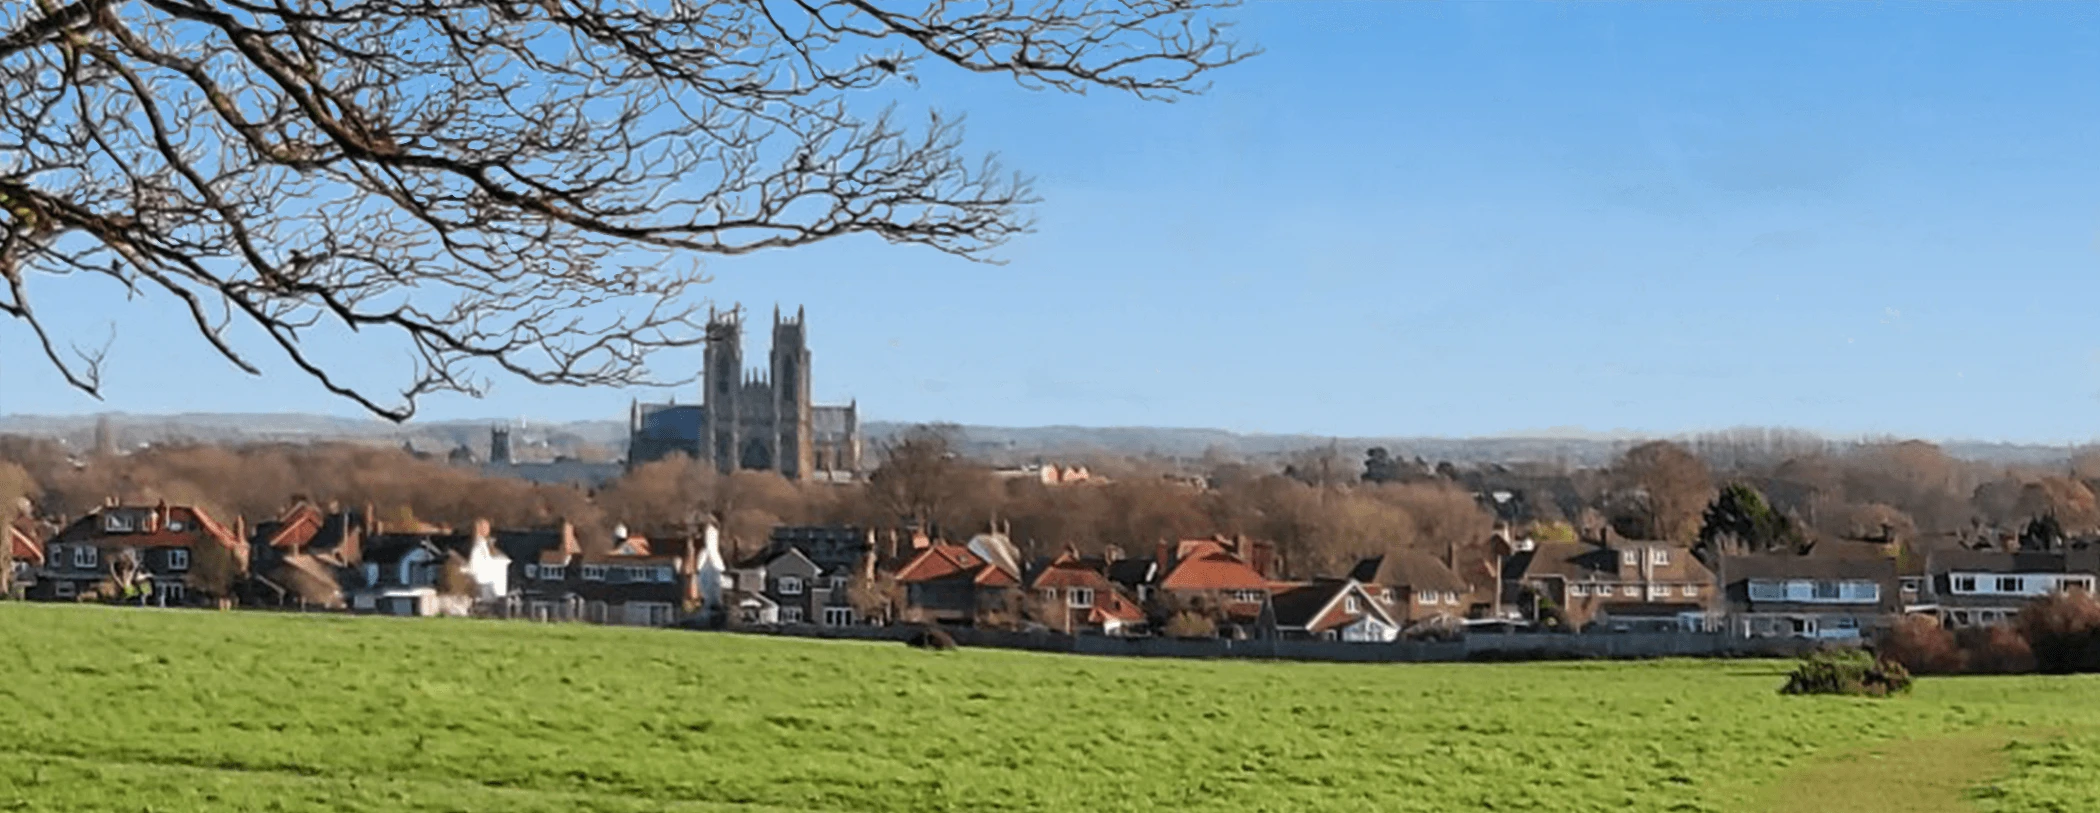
x: 1848, y: 672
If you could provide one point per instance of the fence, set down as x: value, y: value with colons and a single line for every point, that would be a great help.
x: 1480, y: 647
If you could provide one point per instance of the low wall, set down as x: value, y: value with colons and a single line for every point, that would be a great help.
x: 1484, y: 647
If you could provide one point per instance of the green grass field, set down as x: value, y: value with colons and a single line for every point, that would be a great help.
x: 140, y: 710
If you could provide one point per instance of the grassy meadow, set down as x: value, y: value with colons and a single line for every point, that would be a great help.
x: 140, y: 710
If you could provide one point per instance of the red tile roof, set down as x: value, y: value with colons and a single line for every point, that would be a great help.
x: 1214, y: 571
x: 23, y: 547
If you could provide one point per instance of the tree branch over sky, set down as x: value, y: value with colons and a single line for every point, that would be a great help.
x: 516, y: 185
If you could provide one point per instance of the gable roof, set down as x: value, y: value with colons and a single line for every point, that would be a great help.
x: 24, y: 548
x: 1411, y: 569
x: 1213, y: 571
x: 1311, y: 606
x: 159, y: 526
x: 943, y: 561
x: 1070, y: 570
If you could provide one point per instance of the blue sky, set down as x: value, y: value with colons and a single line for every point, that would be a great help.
x: 1452, y: 219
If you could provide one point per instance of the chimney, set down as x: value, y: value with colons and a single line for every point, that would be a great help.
x: 1160, y: 555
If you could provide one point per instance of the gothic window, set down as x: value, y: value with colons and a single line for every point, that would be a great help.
x: 756, y: 455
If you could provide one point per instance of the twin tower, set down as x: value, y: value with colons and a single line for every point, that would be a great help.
x: 760, y: 419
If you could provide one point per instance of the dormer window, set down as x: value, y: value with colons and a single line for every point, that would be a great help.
x: 594, y: 573
x: 1660, y: 557
x: 118, y: 522
x: 175, y: 526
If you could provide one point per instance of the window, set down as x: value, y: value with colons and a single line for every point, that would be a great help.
x: 838, y: 583
x: 594, y: 573
x: 2009, y: 584
x: 1659, y: 556
x: 171, y: 592
x: 175, y: 526
x: 1631, y: 591
x: 1047, y: 593
x: 1354, y: 606
x: 1630, y: 558
x: 1826, y: 591
x: 1084, y: 597
x: 1764, y: 590
x: 178, y: 559
x: 791, y: 585
x: 1426, y: 597
x: 1965, y: 584
x: 62, y: 588
x: 1450, y: 598
x: 663, y: 575
x: 1691, y: 591
x: 838, y: 616
x: 2079, y: 583
x: 84, y: 556
x: 1578, y: 589
x: 791, y: 615
x: 118, y: 522
x: 1244, y: 596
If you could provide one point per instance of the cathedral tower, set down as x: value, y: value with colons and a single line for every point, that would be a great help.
x: 794, y: 455
x: 721, y: 382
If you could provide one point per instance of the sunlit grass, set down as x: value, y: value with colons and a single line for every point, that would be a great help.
x: 163, y: 710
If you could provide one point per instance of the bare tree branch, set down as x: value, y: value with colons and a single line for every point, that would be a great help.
x: 514, y: 186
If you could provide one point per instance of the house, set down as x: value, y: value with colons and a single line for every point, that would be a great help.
x: 423, y: 574
x: 963, y: 584
x: 297, y: 559
x: 633, y: 584
x: 1617, y: 585
x: 163, y: 555
x: 1077, y: 595
x: 1227, y: 579
x: 1974, y: 588
x: 1329, y: 610
x: 1841, y: 597
x: 1416, y: 586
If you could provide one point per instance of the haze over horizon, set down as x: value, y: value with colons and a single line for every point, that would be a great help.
x: 1416, y: 220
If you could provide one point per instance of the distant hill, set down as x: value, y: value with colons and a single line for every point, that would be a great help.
x: 1573, y: 447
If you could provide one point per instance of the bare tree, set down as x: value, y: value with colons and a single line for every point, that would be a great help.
x: 1665, y: 488
x: 499, y: 183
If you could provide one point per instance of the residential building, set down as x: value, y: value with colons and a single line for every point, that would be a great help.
x: 1836, y: 597
x: 162, y: 555
x: 1082, y: 598
x: 1329, y: 610
x: 633, y: 584
x: 25, y: 558
x: 299, y: 558
x: 426, y: 574
x: 1416, y: 586
x: 963, y: 584
x: 1973, y: 588
x: 1227, y: 579
x: 1618, y: 585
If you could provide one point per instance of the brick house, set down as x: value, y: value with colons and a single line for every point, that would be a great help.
x: 1091, y: 602
x: 1619, y: 585
x: 1416, y: 586
x: 1329, y: 610
x: 162, y: 555
x: 1228, y: 580
x: 962, y: 584
x: 1816, y: 596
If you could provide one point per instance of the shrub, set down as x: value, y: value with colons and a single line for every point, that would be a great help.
x: 1848, y: 672
x: 1922, y: 646
x: 1191, y: 625
x: 1996, y: 650
x: 2063, y: 632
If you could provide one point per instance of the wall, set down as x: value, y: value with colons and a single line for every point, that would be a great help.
x: 1496, y: 647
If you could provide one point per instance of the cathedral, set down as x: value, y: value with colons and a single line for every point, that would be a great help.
x: 752, y: 419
